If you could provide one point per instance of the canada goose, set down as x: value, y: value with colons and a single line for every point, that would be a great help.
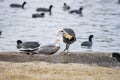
x: 45, y: 9
x: 38, y: 15
x: 116, y: 56
x: 77, y: 11
x: 0, y: 32
x: 88, y: 43
x: 118, y: 1
x: 27, y: 46
x: 18, y: 5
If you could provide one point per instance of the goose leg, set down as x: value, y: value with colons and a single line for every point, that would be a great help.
x: 67, y: 48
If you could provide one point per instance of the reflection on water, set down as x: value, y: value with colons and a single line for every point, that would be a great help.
x: 100, y: 18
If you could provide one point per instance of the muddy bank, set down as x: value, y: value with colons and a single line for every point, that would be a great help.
x: 96, y: 58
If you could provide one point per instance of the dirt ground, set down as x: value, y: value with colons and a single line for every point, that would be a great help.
x: 74, y: 66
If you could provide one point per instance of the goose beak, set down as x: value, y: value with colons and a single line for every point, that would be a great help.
x: 59, y: 32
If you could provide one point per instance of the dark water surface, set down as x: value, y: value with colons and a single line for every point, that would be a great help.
x: 100, y: 18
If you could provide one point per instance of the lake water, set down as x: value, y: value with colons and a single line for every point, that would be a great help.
x: 100, y: 18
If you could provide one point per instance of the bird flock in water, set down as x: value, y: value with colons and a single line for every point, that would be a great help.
x: 67, y: 34
x: 49, y: 10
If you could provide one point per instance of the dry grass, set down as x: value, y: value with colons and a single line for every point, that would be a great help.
x: 50, y: 71
x: 23, y: 67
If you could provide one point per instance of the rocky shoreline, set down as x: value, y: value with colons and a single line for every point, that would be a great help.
x: 74, y: 66
x: 96, y: 58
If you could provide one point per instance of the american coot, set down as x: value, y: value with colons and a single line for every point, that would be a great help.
x: 18, y: 5
x: 48, y: 49
x: 27, y: 46
x: 38, y: 15
x: 66, y: 7
x: 88, y: 43
x: 77, y: 11
x: 0, y: 32
x: 45, y: 9
x: 116, y: 56
x: 118, y: 1
x: 68, y: 37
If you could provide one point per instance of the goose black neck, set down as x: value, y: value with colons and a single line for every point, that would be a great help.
x: 50, y: 9
x: 19, y: 42
x: 90, y: 39
x: 81, y: 8
x: 119, y: 1
x: 50, y: 12
x: 64, y: 4
x: 23, y: 4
